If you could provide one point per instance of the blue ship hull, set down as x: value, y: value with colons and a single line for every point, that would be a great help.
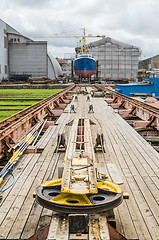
x: 84, y: 66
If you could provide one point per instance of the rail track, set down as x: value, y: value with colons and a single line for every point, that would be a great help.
x: 144, y: 111
x: 16, y: 126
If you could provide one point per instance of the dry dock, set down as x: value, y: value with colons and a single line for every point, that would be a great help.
x: 136, y: 161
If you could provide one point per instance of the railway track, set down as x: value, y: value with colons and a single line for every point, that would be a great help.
x: 16, y: 126
x: 133, y: 106
x: 122, y: 97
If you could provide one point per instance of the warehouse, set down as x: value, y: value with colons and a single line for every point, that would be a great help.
x: 150, y: 63
x: 117, y: 61
x: 21, y: 56
x: 148, y: 67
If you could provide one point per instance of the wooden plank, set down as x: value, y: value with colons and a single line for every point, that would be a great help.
x: 48, y: 134
x: 135, y: 176
x: 141, y: 171
x: 135, y: 159
x: 114, y: 173
x: 13, y: 204
x: 120, y: 141
x: 45, y: 136
x: 20, y: 166
x: 36, y: 210
x: 9, y: 197
x: 30, y: 203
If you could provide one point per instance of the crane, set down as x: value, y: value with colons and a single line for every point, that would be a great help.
x: 68, y: 35
x: 84, y: 36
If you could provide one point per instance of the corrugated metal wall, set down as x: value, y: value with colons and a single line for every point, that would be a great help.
x: 3, y: 51
x: 28, y: 58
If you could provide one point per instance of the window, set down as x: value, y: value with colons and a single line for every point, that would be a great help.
x: 5, y: 42
x: 5, y: 31
x: 5, y: 69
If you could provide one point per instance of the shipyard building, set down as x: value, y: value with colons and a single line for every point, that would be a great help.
x: 117, y: 61
x: 22, y: 57
x: 151, y: 63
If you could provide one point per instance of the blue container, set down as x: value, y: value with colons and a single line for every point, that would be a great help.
x: 128, y: 89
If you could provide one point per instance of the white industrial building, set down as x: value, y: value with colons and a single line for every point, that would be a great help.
x: 21, y: 56
x: 117, y: 60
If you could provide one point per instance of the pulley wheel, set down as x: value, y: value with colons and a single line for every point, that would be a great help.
x: 49, y: 195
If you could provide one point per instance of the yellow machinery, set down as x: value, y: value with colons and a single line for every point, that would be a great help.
x: 79, y: 190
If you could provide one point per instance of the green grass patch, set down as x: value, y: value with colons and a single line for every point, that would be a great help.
x: 17, y: 103
x: 27, y: 93
x: 13, y: 107
x: 10, y: 94
x: 2, y: 118
x: 7, y: 113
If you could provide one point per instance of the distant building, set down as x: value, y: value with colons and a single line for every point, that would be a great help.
x: 20, y: 56
x: 63, y: 64
x: 69, y: 57
x: 147, y: 67
x: 117, y: 60
x: 150, y: 63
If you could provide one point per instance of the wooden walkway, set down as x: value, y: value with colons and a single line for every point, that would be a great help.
x: 136, y: 161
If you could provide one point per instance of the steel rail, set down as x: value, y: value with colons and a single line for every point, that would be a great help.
x: 153, y: 110
x: 29, y: 112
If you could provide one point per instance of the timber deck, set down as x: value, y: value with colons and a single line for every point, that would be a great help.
x: 136, y: 161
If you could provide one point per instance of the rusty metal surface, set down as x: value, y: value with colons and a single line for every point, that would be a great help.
x: 15, y: 127
x: 41, y: 234
x: 114, y: 235
x: 152, y: 109
x: 98, y: 228
x: 133, y: 106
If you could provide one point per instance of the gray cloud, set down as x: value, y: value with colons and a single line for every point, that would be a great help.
x: 131, y: 21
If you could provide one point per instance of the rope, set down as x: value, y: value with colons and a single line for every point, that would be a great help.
x: 11, y: 183
x: 11, y: 172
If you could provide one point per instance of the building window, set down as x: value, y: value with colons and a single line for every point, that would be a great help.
x: 5, y: 31
x: 5, y: 69
x: 5, y: 42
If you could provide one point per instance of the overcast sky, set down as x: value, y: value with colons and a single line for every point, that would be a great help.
x: 131, y: 21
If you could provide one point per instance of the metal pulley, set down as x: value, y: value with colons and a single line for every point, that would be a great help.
x: 49, y: 195
x: 79, y: 190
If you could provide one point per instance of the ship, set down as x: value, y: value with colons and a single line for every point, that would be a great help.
x: 84, y: 63
x: 84, y: 66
